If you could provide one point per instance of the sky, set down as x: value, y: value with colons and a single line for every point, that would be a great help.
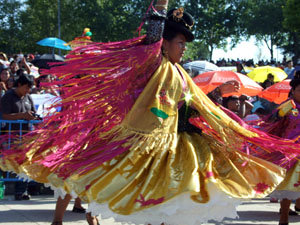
x: 247, y: 50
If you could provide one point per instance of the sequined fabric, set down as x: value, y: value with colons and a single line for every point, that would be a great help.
x: 155, y: 27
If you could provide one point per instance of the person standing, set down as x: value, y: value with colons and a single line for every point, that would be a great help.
x: 289, y: 68
x: 16, y: 104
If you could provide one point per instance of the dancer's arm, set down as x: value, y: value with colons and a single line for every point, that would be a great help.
x: 156, y: 22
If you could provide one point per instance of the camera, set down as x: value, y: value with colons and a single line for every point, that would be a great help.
x: 37, y: 116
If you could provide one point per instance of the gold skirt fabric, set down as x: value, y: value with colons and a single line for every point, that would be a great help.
x: 162, y: 167
x: 290, y: 187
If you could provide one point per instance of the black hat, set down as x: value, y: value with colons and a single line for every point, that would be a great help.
x: 181, y: 22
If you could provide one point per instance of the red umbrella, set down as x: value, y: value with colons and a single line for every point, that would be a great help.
x: 278, y: 92
x: 210, y: 80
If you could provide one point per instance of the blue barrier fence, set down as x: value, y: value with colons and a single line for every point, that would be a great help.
x: 8, y: 124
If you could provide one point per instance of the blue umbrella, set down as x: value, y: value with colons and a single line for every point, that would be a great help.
x: 55, y: 43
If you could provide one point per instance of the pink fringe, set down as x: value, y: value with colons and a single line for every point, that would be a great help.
x: 280, y: 151
x: 99, y: 84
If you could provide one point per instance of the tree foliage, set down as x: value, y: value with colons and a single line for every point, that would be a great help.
x: 10, y: 27
x: 292, y: 23
x: 24, y: 22
x: 263, y: 19
x: 215, y: 21
x: 291, y: 15
x: 109, y: 20
x: 196, y: 50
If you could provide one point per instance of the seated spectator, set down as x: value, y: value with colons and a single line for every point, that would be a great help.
x: 16, y: 104
x: 269, y: 81
x: 239, y: 105
x: 232, y: 103
x: 261, y: 112
x: 246, y: 106
x: 252, y: 117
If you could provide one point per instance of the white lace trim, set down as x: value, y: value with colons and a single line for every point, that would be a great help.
x: 292, y: 195
x: 178, y: 211
x: 24, y: 177
x: 59, y: 192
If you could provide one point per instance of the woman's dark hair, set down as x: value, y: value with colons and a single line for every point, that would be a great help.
x: 25, y: 79
x: 20, y: 72
x: 261, y: 111
x: 270, y: 75
x: 226, y: 100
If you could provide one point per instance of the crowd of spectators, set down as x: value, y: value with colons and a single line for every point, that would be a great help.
x: 16, y: 66
x: 287, y: 64
x: 17, y: 83
x: 251, y: 63
x: 243, y: 106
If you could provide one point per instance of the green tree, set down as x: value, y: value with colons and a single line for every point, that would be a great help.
x: 109, y: 20
x: 291, y: 15
x: 10, y: 28
x: 263, y: 19
x: 196, y: 50
x: 292, y: 23
x: 38, y: 21
x: 215, y: 21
